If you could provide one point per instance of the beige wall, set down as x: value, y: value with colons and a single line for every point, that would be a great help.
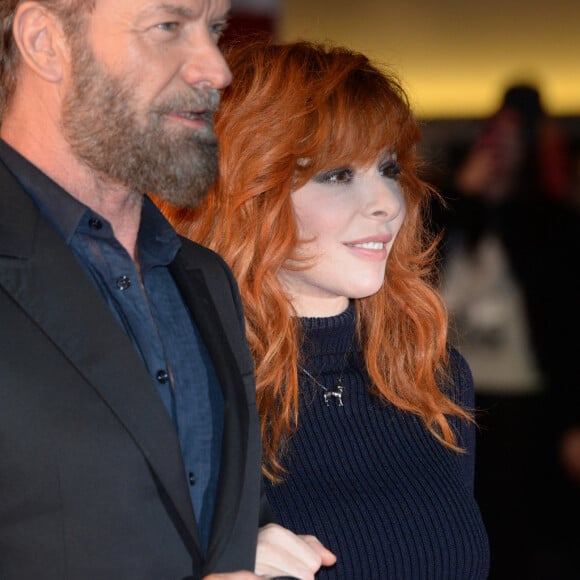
x: 455, y: 57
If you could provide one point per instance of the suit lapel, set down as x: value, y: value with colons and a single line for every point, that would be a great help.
x: 44, y: 278
x: 205, y: 313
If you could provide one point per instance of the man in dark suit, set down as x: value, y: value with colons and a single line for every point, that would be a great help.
x: 129, y: 440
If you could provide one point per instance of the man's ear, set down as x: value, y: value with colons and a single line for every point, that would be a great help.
x: 40, y: 39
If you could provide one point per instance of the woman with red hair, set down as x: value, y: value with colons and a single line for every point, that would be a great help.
x: 366, y: 413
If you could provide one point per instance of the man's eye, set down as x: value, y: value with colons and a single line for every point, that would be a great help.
x: 391, y: 170
x: 218, y: 28
x: 167, y: 26
x: 335, y: 176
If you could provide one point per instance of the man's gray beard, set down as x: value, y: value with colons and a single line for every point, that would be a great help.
x: 102, y: 127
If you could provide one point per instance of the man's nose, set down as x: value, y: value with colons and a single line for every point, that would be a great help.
x: 206, y: 66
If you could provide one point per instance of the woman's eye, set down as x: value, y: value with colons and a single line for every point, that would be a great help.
x: 390, y: 170
x: 335, y: 176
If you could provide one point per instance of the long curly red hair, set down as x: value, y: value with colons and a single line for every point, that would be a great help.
x: 331, y: 106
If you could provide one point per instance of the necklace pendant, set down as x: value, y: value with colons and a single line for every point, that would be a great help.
x: 335, y: 394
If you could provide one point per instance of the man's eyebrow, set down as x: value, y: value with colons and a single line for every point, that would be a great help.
x: 183, y: 11
x: 177, y: 9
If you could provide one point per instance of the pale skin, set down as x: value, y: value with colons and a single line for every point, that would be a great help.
x: 162, y: 46
x: 348, y: 218
x: 278, y: 549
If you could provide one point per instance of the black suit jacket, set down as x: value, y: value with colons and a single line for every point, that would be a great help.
x: 92, y: 484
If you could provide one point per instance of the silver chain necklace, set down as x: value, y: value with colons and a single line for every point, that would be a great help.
x: 335, y: 393
x: 329, y: 394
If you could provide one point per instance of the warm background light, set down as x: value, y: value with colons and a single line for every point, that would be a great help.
x: 455, y: 57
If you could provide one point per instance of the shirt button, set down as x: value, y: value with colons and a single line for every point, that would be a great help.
x: 162, y: 376
x: 123, y: 283
x: 95, y: 223
x: 191, y: 477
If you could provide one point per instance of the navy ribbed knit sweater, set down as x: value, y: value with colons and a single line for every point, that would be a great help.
x: 371, y: 482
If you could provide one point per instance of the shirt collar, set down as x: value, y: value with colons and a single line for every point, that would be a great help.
x: 158, y: 242
x: 62, y: 210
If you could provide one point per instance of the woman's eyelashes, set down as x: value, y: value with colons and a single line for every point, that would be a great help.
x: 341, y: 176
x: 335, y: 176
x: 391, y: 169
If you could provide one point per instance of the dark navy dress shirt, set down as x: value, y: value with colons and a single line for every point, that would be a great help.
x: 149, y: 307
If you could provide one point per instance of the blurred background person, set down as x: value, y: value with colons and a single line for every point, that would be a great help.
x: 510, y: 257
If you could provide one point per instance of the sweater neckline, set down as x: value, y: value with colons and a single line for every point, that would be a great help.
x: 327, y: 339
x: 338, y: 321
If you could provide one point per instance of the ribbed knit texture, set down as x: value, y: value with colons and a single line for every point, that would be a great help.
x: 371, y: 482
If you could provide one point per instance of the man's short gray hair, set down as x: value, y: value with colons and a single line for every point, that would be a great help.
x: 70, y: 12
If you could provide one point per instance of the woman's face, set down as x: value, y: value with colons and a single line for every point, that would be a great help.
x: 348, y: 218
